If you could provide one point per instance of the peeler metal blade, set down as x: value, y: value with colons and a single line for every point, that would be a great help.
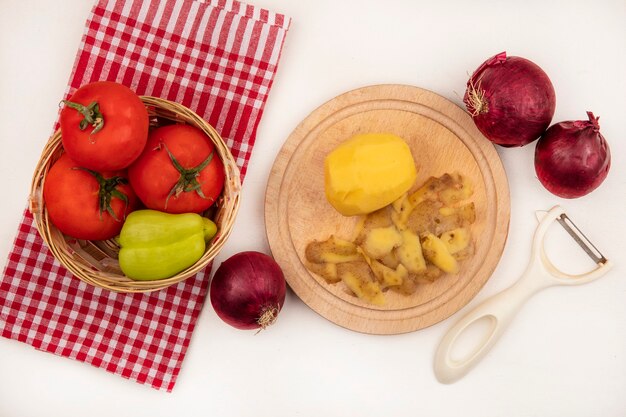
x: 579, y: 237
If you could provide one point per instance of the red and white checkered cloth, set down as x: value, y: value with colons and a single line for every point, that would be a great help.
x: 216, y: 57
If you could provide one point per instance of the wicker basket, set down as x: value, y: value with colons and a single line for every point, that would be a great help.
x: 95, y: 262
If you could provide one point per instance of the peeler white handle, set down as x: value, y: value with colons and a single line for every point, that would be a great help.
x: 499, y: 310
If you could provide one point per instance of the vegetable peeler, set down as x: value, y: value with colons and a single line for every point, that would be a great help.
x: 501, y: 308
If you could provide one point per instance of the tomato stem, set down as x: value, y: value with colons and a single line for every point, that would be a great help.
x: 188, y: 180
x: 91, y: 115
x: 107, y: 190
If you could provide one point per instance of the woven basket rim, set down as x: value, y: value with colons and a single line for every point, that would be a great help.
x: 82, y: 258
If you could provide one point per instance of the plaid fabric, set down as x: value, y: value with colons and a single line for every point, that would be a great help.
x: 216, y: 57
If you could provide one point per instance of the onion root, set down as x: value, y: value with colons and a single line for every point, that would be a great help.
x: 476, y: 103
x: 268, y: 317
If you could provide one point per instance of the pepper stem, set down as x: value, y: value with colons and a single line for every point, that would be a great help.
x: 91, y: 115
x: 188, y: 180
x: 107, y: 190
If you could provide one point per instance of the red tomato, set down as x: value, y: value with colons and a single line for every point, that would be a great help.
x: 193, y: 186
x: 117, y: 141
x: 77, y: 200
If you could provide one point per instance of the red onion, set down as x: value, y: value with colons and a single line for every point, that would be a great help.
x: 572, y: 158
x: 511, y: 100
x: 248, y: 290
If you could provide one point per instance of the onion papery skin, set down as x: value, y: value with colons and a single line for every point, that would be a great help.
x: 248, y: 290
x: 511, y: 100
x: 572, y: 158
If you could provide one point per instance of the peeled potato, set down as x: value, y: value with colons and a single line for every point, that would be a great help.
x: 368, y: 172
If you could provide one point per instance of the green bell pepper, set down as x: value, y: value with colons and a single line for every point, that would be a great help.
x: 157, y: 245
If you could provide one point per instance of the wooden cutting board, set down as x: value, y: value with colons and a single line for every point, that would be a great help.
x: 442, y: 138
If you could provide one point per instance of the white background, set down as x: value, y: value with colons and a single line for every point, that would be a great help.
x: 564, y: 355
